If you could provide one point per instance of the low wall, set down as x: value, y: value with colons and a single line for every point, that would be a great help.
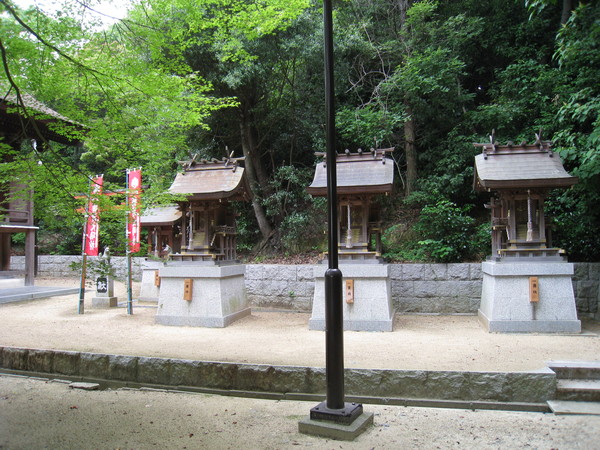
x: 59, y: 266
x: 416, y: 288
x: 288, y: 382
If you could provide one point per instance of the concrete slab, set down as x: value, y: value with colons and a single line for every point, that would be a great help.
x: 563, y: 407
x: 18, y: 294
x: 334, y: 430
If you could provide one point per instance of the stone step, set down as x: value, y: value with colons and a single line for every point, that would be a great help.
x: 581, y: 390
x: 589, y: 370
x: 562, y: 407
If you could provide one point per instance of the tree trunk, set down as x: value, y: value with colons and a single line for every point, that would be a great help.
x: 263, y: 223
x: 410, y: 151
x: 567, y: 6
x: 249, y: 136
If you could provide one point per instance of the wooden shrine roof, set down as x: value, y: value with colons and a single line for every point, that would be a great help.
x: 212, y: 180
x: 521, y: 165
x: 160, y: 215
x: 357, y: 173
x: 42, y: 120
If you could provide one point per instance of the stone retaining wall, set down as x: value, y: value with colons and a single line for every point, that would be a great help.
x: 368, y: 385
x: 58, y: 266
x: 416, y: 288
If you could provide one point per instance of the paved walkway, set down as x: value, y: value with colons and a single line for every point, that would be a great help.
x: 17, y: 294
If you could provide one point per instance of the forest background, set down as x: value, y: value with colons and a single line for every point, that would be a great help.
x: 177, y: 78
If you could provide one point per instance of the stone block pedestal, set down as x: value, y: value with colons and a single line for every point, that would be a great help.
x: 217, y: 296
x: 149, y: 291
x: 506, y: 305
x: 105, y: 293
x: 371, y: 309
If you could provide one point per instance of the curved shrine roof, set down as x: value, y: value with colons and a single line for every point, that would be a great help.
x: 212, y: 180
x: 520, y: 166
x: 357, y: 173
x: 161, y: 215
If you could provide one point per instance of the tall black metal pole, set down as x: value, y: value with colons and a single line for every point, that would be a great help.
x: 334, y: 321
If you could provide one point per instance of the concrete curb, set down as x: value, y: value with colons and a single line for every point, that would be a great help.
x: 471, y: 390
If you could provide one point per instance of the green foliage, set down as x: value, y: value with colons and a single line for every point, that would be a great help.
x: 444, y: 233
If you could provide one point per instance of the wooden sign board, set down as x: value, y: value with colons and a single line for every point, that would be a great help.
x: 188, y: 285
x: 156, y: 279
x: 534, y: 290
x: 349, y: 291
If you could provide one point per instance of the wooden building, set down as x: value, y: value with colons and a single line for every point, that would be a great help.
x: 20, y: 123
x: 163, y: 224
x: 361, y: 177
x: 208, y: 231
x: 519, y: 176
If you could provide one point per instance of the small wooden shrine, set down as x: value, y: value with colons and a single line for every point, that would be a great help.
x: 361, y: 176
x: 208, y: 231
x: 164, y: 230
x: 520, y: 177
x: 527, y: 285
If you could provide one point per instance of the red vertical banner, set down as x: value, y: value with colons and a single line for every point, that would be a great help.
x: 92, y: 230
x: 134, y: 184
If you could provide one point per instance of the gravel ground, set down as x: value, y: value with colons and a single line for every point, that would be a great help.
x: 275, y: 338
x: 40, y: 414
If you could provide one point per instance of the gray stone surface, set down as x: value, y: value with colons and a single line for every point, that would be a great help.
x: 292, y: 287
x: 506, y: 306
x: 372, y: 309
x: 336, y: 431
x: 218, y: 296
x: 509, y: 387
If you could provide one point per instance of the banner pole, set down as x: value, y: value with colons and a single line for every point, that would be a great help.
x: 128, y: 245
x: 81, y: 307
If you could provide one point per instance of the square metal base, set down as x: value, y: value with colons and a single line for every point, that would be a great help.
x: 345, y: 416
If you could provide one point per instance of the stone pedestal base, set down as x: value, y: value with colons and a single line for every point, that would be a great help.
x: 104, y: 302
x: 149, y: 291
x: 505, y: 298
x: 105, y: 293
x: 371, y: 309
x: 218, y: 296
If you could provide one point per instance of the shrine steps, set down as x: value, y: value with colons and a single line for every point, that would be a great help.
x: 577, y: 387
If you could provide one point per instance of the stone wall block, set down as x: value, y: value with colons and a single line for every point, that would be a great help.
x: 581, y: 271
x: 587, y: 288
x: 154, y: 370
x: 218, y: 376
x: 484, y: 386
x: 93, y: 365
x: 14, y: 358
x: 594, y: 271
x: 476, y: 273
x: 459, y: 271
x: 409, y: 305
x: 185, y: 372
x: 254, y: 272
x: 403, y: 289
x: 396, y: 272
x: 40, y: 361
x: 315, y: 381
x: 427, y: 289
x: 66, y: 363
x: 523, y: 387
x: 279, y: 272
x: 306, y: 273
x: 122, y: 368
